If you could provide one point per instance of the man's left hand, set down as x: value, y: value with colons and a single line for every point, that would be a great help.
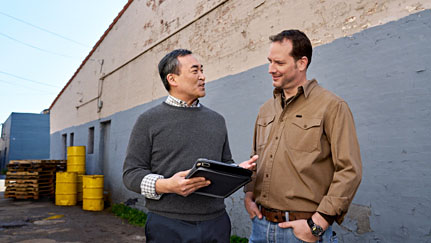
x: 300, y: 229
x: 249, y: 164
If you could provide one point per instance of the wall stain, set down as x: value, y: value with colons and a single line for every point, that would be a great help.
x: 358, y: 219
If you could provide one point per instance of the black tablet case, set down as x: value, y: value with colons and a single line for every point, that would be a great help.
x: 225, y: 178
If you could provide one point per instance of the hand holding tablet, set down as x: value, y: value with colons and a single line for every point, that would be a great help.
x: 225, y: 178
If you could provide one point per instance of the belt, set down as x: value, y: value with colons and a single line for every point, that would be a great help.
x: 279, y: 216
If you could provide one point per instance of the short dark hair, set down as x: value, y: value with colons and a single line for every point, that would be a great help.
x: 301, y: 45
x: 169, y: 64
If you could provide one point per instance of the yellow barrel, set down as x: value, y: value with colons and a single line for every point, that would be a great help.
x: 76, y: 159
x: 79, y: 188
x: 65, y: 189
x: 92, y: 188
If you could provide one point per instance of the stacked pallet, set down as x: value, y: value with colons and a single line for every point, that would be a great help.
x: 32, y: 178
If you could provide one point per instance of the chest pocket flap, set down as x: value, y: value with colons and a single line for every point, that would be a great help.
x: 303, y: 134
x: 307, y: 123
x: 265, y: 121
x: 263, y: 129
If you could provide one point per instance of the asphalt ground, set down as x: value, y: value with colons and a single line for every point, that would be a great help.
x: 41, y: 221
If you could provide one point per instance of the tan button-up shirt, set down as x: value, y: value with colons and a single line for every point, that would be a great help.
x: 309, y: 158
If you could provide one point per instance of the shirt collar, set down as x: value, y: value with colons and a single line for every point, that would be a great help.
x: 308, y: 86
x: 304, y: 89
x: 170, y: 100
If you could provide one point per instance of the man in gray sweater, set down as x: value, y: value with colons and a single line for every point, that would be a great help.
x: 165, y: 142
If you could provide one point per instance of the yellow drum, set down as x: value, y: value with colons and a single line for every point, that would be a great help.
x: 92, y: 188
x: 65, y: 189
x: 79, y: 188
x: 76, y: 159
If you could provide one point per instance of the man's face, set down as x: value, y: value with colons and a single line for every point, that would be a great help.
x: 191, y: 80
x: 282, y: 66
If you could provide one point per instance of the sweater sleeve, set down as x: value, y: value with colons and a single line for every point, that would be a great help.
x: 226, y: 154
x: 137, y: 163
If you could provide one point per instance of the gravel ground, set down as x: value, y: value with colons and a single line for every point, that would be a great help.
x: 41, y: 221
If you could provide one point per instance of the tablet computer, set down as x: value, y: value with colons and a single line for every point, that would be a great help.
x: 225, y: 178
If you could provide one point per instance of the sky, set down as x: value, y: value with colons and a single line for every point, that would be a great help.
x: 42, y: 44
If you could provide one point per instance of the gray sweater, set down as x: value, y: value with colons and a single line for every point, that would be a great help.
x: 168, y: 139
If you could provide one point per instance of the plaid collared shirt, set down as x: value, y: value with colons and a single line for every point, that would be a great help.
x: 148, y: 184
x: 180, y: 103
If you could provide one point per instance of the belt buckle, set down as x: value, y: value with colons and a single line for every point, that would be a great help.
x: 269, y: 210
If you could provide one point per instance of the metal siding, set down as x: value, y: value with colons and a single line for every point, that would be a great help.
x: 29, y: 136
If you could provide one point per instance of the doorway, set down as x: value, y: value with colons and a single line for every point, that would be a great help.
x: 104, y: 145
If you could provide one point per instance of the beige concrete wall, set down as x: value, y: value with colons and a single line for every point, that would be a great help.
x: 228, y: 39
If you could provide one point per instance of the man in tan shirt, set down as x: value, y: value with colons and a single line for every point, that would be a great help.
x: 309, y: 165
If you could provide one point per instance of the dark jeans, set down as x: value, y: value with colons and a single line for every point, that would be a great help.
x: 161, y: 229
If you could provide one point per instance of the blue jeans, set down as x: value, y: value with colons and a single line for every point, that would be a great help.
x: 264, y: 231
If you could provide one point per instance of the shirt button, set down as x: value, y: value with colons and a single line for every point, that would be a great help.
x: 267, y: 175
x: 264, y: 196
x: 276, y: 138
x: 270, y: 156
x: 305, y: 126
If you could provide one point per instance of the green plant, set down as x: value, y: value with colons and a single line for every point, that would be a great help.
x: 3, y: 171
x: 237, y: 239
x: 132, y: 215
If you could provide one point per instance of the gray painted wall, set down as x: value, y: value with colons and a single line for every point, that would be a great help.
x: 384, y: 74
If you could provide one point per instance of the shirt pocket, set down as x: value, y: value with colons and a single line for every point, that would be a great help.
x: 263, y: 127
x: 303, y: 134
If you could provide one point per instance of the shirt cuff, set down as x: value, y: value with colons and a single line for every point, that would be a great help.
x: 148, y: 186
x: 329, y: 218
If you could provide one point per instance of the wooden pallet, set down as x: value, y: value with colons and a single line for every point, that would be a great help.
x: 22, y: 175
x: 24, y: 162
x: 32, y: 178
x: 17, y: 185
x: 21, y: 195
x: 20, y: 181
x: 22, y: 189
x: 24, y: 169
x: 37, y: 163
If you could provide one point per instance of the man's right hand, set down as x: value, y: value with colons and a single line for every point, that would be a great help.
x: 180, y: 185
x: 251, y: 206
